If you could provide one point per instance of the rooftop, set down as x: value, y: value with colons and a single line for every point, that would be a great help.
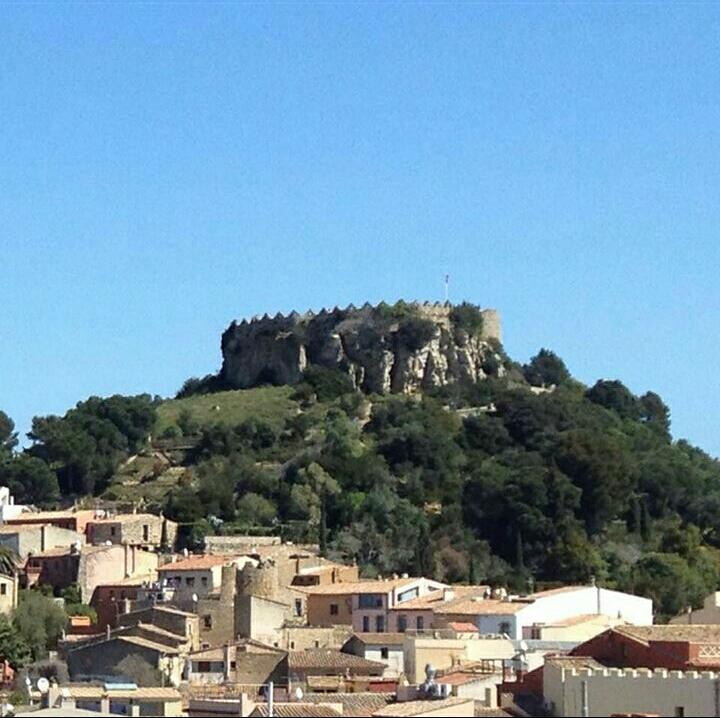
x: 693, y: 633
x: 295, y: 710
x: 481, y: 607
x: 330, y: 659
x: 119, y: 518
x: 432, y: 599
x: 353, y: 587
x: 355, y: 705
x: 89, y: 691
x: 197, y: 563
x: 418, y: 708
x: 385, y: 639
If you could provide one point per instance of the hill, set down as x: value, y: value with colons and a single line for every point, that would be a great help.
x: 519, y: 474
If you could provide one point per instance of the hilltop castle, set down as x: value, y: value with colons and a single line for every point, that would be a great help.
x: 384, y: 349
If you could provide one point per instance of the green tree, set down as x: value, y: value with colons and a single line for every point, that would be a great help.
x: 13, y: 647
x: 30, y: 480
x: 8, y: 436
x: 546, y: 368
x: 39, y: 622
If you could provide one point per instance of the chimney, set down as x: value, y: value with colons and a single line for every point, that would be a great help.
x: 226, y: 662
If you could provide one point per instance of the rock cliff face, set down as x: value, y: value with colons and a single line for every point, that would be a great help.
x: 400, y: 349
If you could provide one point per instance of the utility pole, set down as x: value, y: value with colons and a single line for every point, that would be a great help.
x: 447, y: 288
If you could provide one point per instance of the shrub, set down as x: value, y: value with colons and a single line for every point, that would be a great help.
x: 328, y: 384
x: 415, y: 332
x: 468, y: 318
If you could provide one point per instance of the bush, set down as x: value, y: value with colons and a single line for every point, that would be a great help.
x: 415, y: 332
x: 468, y: 318
x: 546, y: 368
x: 327, y: 384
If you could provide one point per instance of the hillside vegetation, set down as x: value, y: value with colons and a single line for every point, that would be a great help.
x: 525, y: 478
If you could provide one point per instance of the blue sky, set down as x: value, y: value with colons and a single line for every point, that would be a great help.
x: 165, y: 168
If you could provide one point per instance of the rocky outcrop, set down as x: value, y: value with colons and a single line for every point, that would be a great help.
x: 400, y: 349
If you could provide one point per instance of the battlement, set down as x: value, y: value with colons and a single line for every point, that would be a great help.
x: 438, y: 312
x: 639, y: 673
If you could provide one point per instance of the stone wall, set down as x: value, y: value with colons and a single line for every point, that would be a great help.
x: 369, y: 343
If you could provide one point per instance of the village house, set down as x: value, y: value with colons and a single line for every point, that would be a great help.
x: 574, y: 612
x: 162, y: 637
x: 113, y: 699
x: 365, y: 605
x: 8, y: 508
x: 26, y: 539
x: 447, y: 649
x: 74, y: 520
x: 247, y: 664
x: 110, y: 600
x: 582, y: 686
x: 387, y: 648
x: 145, y: 530
x: 196, y: 577
x: 8, y: 593
x: 325, y: 670
x: 709, y: 614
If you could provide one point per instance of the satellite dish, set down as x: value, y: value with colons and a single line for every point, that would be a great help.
x: 299, y: 693
x: 195, y: 598
x: 523, y: 646
x: 43, y: 685
x: 28, y: 682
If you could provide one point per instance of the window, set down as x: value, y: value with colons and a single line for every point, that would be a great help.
x: 402, y: 624
x: 505, y: 627
x: 366, y: 624
x: 203, y: 667
x: 384, y: 652
x: 379, y: 624
x: 122, y: 595
x: 370, y: 600
x: 146, y: 533
x: 113, y: 531
x: 190, y: 581
x: 3, y: 589
x: 233, y: 665
x: 204, y: 581
x: 292, y: 645
x: 207, y: 621
x: 298, y: 607
x: 679, y: 712
x: 112, y: 594
x: 535, y: 633
x: 407, y: 595
x: 420, y: 623
x: 333, y: 609
x: 317, y: 644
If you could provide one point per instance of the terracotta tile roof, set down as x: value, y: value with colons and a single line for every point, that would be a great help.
x: 461, y: 627
x: 556, y: 591
x: 355, y: 705
x: 481, y: 607
x: 418, y: 708
x: 217, y: 653
x: 350, y: 587
x: 460, y: 678
x: 150, y: 693
x: 196, y: 563
x: 574, y: 661
x: 121, y: 518
x: 145, y: 643
x: 295, y: 710
x: 434, y: 598
x: 331, y: 660
x: 377, y: 639
x: 693, y: 633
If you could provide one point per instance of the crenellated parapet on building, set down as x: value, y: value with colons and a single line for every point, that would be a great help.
x: 400, y: 348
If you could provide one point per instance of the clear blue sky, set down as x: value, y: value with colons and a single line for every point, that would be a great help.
x: 165, y: 168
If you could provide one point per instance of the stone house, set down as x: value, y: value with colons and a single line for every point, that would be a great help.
x: 145, y: 530
x: 8, y: 593
x: 305, y: 666
x: 387, y: 648
x: 162, y: 637
x: 110, y: 600
x: 246, y: 665
x: 26, y: 539
x: 114, y: 700
x: 71, y: 520
x: 365, y: 605
x: 197, y: 576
